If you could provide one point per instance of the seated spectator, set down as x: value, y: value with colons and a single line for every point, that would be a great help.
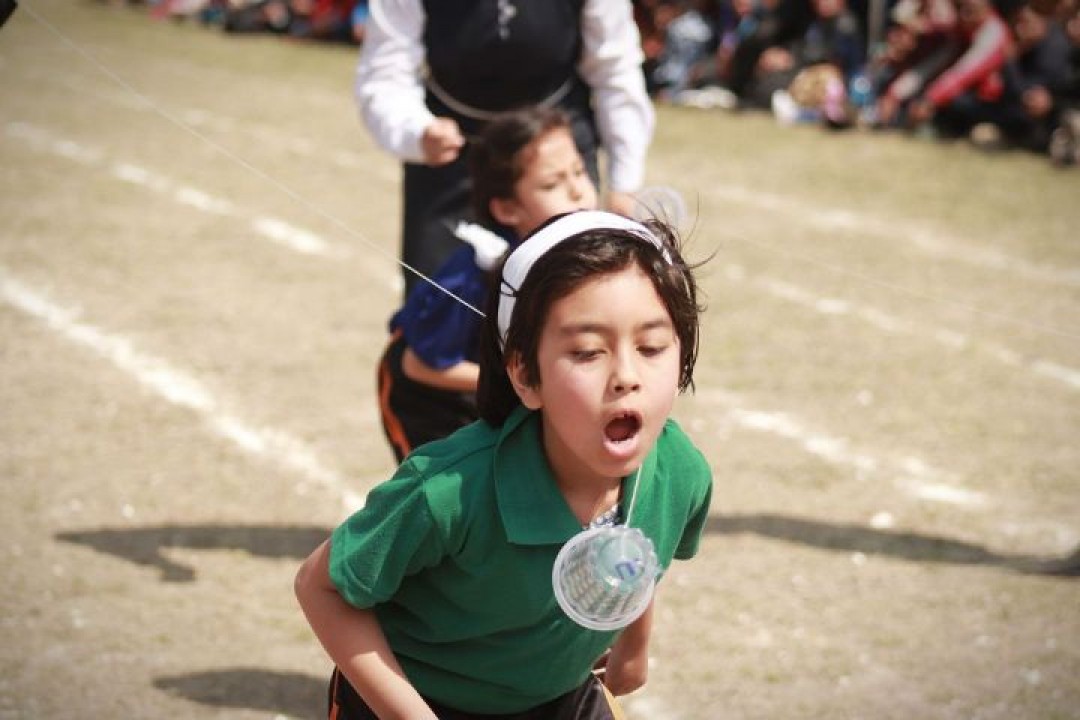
x: 769, y: 23
x: 329, y: 20
x: 735, y: 21
x: 652, y: 18
x: 358, y: 21
x: 813, y: 69
x: 1036, y: 74
x: 309, y: 19
x: 953, y: 102
x: 1065, y: 139
x: 920, y: 42
x: 817, y: 68
x: 689, y: 42
x: 259, y: 16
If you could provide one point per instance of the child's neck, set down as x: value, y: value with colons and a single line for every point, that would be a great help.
x: 586, y: 493
x: 588, y: 501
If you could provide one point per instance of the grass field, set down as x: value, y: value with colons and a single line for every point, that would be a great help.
x: 197, y: 245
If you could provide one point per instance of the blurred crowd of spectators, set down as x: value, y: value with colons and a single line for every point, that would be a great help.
x: 1003, y: 73
x: 340, y: 21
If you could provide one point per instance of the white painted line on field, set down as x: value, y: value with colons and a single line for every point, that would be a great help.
x: 269, y: 135
x: 274, y: 229
x: 277, y: 231
x: 275, y: 138
x: 182, y: 390
x: 910, y: 474
x: 893, y: 325
x: 929, y: 242
x: 1057, y: 372
x: 292, y: 237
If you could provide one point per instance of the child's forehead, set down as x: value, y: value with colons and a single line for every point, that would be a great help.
x: 625, y: 291
x: 533, y: 150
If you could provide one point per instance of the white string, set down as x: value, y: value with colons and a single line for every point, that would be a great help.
x: 633, y: 497
x: 242, y: 162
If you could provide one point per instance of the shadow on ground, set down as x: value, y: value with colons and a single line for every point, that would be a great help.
x: 872, y: 541
x: 143, y: 546
x: 278, y: 693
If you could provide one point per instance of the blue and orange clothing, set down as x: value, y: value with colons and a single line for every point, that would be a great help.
x: 441, y: 331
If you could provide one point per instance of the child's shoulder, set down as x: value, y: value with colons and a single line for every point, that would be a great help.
x: 677, y: 449
x: 442, y: 467
x: 674, y: 437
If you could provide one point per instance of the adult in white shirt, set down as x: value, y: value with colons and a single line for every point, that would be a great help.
x: 432, y: 72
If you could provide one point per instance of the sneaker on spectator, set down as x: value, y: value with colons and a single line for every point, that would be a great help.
x: 708, y: 97
x: 987, y: 137
x: 788, y: 112
x: 1065, y: 140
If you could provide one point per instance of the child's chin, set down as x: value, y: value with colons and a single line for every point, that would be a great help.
x: 625, y: 452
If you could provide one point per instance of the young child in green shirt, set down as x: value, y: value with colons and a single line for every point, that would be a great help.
x: 436, y: 599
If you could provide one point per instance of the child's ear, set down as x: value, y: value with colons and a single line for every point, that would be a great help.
x: 505, y: 210
x: 519, y: 378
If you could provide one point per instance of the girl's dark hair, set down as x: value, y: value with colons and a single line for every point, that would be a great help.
x: 558, y: 273
x: 494, y: 157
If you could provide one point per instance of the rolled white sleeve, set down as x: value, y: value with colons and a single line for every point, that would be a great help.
x: 611, y: 64
x: 389, y: 90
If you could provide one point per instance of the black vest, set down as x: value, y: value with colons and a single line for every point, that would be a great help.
x: 500, y: 54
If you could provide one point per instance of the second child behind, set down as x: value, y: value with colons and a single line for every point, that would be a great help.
x: 525, y: 169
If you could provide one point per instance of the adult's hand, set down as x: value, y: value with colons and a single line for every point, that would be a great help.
x: 442, y: 141
x: 887, y: 107
x: 1038, y: 102
x: 920, y: 111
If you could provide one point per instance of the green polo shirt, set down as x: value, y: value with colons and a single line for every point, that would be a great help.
x: 454, y: 554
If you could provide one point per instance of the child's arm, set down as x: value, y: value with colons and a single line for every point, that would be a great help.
x: 628, y: 663
x: 355, y: 642
x: 461, y: 377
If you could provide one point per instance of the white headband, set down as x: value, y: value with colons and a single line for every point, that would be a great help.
x: 521, y: 260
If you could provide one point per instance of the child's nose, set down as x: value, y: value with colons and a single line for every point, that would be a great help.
x: 624, y: 375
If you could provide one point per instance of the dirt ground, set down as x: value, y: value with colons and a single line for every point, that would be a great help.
x: 197, y: 246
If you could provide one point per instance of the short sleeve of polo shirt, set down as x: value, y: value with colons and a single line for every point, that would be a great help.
x: 438, y: 328
x: 691, y: 537
x: 392, y: 536
x: 695, y: 474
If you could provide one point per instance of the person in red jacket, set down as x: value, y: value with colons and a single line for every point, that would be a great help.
x: 976, y: 75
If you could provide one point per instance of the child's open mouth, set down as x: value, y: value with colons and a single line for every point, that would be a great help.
x: 623, y: 428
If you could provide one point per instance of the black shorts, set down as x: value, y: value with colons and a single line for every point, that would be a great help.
x: 413, y: 413
x: 588, y: 701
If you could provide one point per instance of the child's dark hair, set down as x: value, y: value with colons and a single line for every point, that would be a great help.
x: 495, y: 164
x: 560, y: 271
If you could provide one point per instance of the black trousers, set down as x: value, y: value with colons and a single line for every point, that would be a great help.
x: 413, y: 413
x: 435, y: 198
x: 589, y: 701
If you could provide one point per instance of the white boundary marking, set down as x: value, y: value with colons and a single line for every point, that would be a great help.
x: 908, y: 473
x: 182, y: 390
x: 923, y: 239
x: 274, y: 229
x: 209, y: 120
x: 893, y: 325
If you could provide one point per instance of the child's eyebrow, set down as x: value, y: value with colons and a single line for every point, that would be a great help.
x: 586, y: 327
